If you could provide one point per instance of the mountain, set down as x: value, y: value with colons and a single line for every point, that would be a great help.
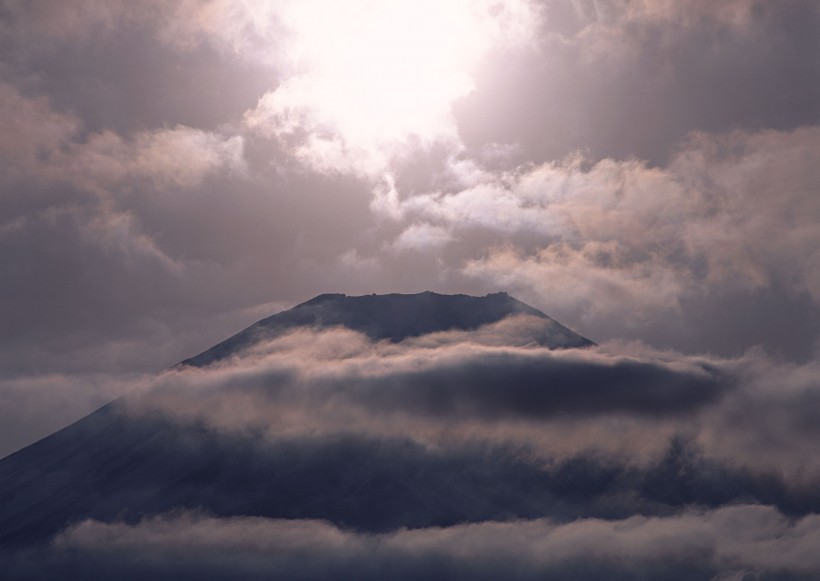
x: 393, y: 317
x: 371, y: 471
x: 116, y: 463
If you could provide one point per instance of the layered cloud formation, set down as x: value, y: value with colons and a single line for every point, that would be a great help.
x: 730, y: 543
x: 453, y: 454
x: 496, y: 383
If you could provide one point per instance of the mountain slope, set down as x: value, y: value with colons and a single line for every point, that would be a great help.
x: 120, y: 464
x: 125, y: 463
x: 393, y: 317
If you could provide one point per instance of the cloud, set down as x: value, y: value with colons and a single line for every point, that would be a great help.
x: 449, y: 376
x: 632, y: 79
x: 422, y: 237
x: 457, y: 430
x: 247, y: 28
x: 43, y: 147
x: 179, y: 157
x: 145, y: 217
x: 194, y: 200
x: 498, y: 384
x: 619, y: 245
x: 577, y: 278
x: 711, y: 217
x: 495, y: 385
x: 363, y: 483
x: 82, y: 207
x: 344, y: 107
x: 734, y: 542
x: 30, y: 129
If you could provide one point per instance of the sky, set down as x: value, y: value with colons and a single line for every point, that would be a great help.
x: 643, y: 171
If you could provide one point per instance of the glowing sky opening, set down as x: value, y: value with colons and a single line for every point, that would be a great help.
x: 365, y: 77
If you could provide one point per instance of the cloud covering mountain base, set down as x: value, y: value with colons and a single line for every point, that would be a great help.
x: 454, y: 454
x: 740, y: 542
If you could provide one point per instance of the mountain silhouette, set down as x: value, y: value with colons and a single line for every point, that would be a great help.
x: 393, y: 317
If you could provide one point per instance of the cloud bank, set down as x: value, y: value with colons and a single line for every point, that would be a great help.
x: 453, y: 453
x: 496, y: 384
x: 731, y: 543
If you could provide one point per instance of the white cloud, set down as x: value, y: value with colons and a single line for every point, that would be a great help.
x: 366, y: 81
x: 180, y: 157
x: 730, y: 213
x: 422, y: 237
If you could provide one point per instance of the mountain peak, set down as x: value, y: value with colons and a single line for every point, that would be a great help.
x: 392, y: 317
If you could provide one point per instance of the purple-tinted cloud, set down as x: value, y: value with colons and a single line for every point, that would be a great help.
x: 724, y: 543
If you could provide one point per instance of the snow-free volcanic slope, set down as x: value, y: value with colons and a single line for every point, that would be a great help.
x: 393, y: 317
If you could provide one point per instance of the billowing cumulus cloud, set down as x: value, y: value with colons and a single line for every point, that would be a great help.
x: 619, y: 243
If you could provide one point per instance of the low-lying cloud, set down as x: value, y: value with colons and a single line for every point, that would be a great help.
x: 451, y: 454
x: 496, y: 385
x: 741, y: 542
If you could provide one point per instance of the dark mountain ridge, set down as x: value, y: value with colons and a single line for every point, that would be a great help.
x: 393, y: 317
